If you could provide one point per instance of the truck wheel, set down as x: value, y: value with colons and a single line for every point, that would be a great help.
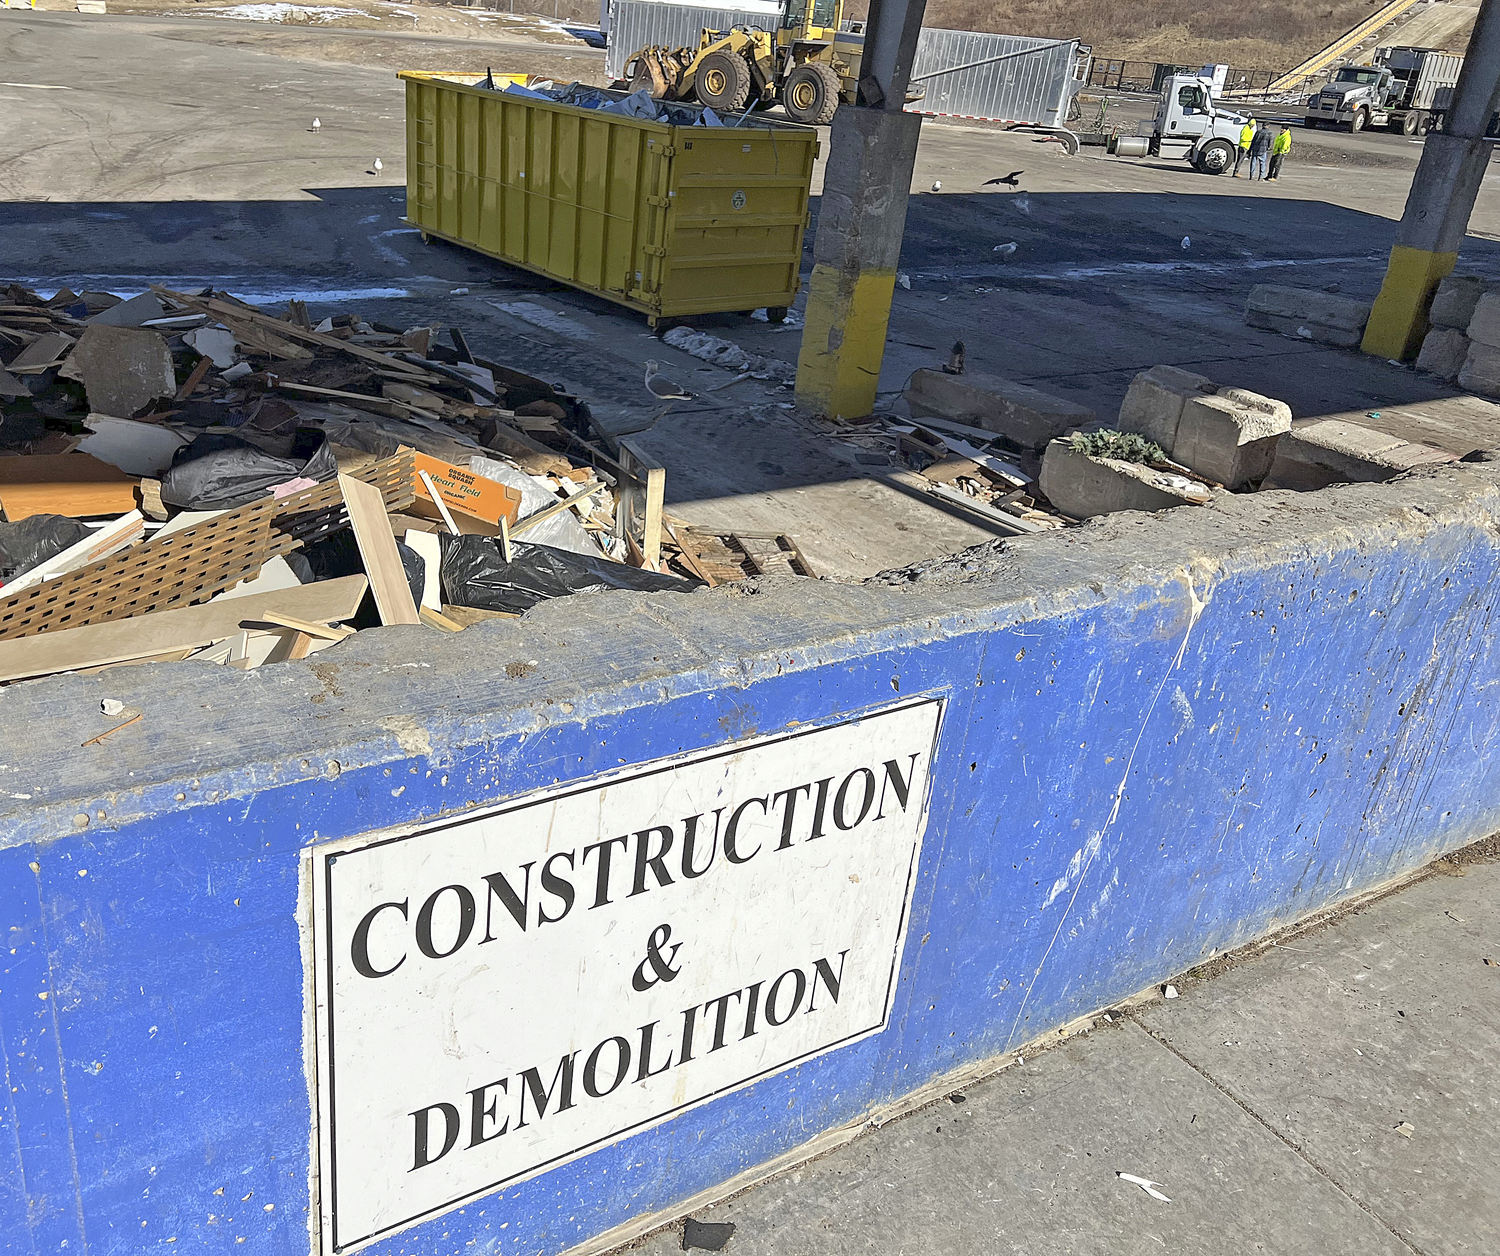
x: 811, y: 93
x: 1216, y: 157
x: 1358, y: 122
x: 723, y: 82
x: 1410, y: 123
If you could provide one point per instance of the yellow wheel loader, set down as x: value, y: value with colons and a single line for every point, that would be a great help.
x: 807, y: 65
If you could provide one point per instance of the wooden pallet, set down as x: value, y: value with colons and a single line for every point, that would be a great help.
x: 720, y: 557
x: 175, y: 570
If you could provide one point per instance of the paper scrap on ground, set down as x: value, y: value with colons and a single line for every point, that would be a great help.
x: 1145, y: 1184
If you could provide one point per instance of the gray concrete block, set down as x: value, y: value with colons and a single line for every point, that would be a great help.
x: 1153, y: 402
x: 1480, y: 372
x: 1229, y: 442
x: 1308, y: 314
x: 1444, y: 351
x: 1335, y: 452
x: 1247, y: 400
x: 123, y: 368
x: 1083, y: 486
x: 1027, y: 416
x: 1484, y: 326
x: 1453, y: 305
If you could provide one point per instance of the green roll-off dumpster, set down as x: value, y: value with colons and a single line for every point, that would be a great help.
x: 670, y: 220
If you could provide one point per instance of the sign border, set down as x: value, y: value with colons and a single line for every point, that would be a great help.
x: 322, y: 1010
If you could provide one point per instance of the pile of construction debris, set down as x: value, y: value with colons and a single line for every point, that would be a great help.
x: 186, y: 476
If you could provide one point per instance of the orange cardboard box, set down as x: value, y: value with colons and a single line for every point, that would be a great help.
x: 467, y: 492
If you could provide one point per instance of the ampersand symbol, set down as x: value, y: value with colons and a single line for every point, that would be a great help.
x: 661, y: 965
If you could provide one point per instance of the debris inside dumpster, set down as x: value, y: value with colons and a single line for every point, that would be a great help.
x: 188, y: 477
x: 637, y: 104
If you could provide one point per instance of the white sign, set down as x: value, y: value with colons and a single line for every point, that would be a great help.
x: 499, y: 994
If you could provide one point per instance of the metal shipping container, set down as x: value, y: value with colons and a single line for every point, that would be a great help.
x: 1018, y: 80
x: 669, y: 220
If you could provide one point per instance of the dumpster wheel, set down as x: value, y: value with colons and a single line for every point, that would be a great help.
x: 723, y: 81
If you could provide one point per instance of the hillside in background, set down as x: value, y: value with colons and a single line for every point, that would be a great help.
x: 1247, y: 34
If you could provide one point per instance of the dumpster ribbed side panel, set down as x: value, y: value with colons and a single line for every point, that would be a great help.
x: 1033, y: 87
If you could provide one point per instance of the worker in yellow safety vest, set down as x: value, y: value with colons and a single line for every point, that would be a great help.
x: 1247, y: 133
x: 1280, y: 147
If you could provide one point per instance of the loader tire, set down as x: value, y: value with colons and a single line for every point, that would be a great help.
x: 723, y: 82
x: 811, y: 94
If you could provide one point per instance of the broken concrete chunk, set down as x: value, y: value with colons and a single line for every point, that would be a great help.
x: 1228, y: 442
x: 131, y: 313
x: 1484, y: 327
x: 1444, y: 351
x: 1480, y: 372
x: 1335, y: 452
x: 1153, y: 402
x: 1308, y: 314
x: 123, y: 368
x: 1083, y: 486
x: 1248, y: 400
x: 1025, y: 416
x: 1453, y: 305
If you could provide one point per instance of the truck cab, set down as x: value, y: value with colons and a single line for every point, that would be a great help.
x: 1356, y: 97
x: 1191, y: 124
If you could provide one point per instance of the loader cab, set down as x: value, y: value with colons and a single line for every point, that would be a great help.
x: 811, y: 20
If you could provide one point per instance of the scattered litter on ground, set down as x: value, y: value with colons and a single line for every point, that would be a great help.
x: 1144, y: 1183
x: 1169, y: 992
x: 1406, y: 1129
x: 727, y: 354
x: 185, y: 476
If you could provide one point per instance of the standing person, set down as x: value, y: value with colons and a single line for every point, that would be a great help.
x: 1260, y: 151
x: 1247, y: 135
x: 1280, y: 147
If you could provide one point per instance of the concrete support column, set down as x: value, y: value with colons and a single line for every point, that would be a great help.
x: 860, y: 225
x: 1440, y: 201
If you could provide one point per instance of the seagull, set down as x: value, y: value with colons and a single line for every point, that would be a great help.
x: 1022, y: 203
x: 937, y: 185
x: 662, y: 388
x: 317, y: 125
x: 378, y: 165
x: 1009, y: 180
x: 1005, y: 250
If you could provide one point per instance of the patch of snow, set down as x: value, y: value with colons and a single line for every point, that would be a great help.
x: 282, y: 12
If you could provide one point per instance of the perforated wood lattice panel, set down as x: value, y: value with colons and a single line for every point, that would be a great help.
x: 176, y: 570
x: 308, y: 516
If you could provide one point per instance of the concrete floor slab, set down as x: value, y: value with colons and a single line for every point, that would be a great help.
x: 1028, y: 1166
x: 1338, y: 1037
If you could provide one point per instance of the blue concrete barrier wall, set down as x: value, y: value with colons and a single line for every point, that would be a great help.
x: 1161, y: 737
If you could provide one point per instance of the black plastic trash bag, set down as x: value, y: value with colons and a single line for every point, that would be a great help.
x: 475, y: 574
x: 216, y: 472
x: 337, y: 554
x: 36, y: 539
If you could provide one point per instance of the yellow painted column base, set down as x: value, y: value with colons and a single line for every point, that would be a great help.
x: 1398, y: 320
x: 843, y: 340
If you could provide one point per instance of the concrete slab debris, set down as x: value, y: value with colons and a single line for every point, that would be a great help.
x: 1153, y: 402
x: 131, y: 313
x: 1227, y: 441
x: 1480, y: 372
x: 1248, y: 400
x: 1444, y: 351
x: 1023, y: 415
x: 1084, y: 486
x: 1484, y: 326
x: 1331, y: 451
x: 214, y: 343
x: 123, y: 368
x: 1453, y: 305
x: 1308, y: 314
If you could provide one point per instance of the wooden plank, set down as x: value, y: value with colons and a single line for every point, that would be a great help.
x: 193, y: 380
x: 654, y: 481
x: 306, y: 626
x: 1016, y: 525
x: 313, y: 513
x: 72, y: 649
x: 166, y: 571
x: 436, y: 619
x: 63, y: 484
x: 377, y: 548
x: 690, y: 557
x: 557, y: 507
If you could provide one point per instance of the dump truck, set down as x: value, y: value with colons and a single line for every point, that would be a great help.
x: 1189, y: 123
x: 1406, y: 90
x: 808, y: 65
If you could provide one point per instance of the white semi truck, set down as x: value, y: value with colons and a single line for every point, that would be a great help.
x: 1406, y: 90
x: 1190, y: 124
